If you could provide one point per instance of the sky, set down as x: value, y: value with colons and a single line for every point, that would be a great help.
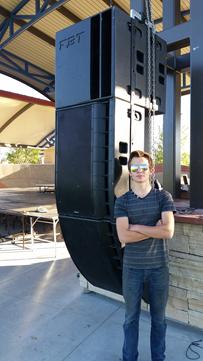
x: 185, y: 122
x: 15, y: 86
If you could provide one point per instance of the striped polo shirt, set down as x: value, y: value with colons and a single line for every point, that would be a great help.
x: 152, y: 252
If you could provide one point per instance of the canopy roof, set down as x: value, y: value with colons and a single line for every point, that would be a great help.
x: 27, y: 53
x: 28, y: 28
x: 25, y: 121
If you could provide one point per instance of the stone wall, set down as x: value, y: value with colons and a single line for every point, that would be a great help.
x: 186, y: 275
x: 26, y: 175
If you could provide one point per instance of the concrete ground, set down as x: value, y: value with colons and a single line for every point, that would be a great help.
x: 46, y: 316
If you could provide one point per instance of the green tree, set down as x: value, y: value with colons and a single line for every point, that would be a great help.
x: 24, y: 155
x: 185, y: 157
x: 159, y: 148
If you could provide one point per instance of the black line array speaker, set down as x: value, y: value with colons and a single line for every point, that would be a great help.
x: 104, y: 56
x: 101, y: 73
x: 87, y: 171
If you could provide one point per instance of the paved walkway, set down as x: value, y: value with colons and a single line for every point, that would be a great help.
x: 46, y: 316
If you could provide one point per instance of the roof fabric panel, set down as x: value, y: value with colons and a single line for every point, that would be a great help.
x: 9, y: 107
x: 27, y: 127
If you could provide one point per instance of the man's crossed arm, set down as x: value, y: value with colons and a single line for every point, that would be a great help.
x: 130, y: 233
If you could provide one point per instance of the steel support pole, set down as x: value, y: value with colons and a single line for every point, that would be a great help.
x: 171, y: 124
x: 171, y: 135
x: 196, y: 71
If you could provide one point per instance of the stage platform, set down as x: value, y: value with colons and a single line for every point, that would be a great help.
x: 28, y: 215
x: 21, y: 200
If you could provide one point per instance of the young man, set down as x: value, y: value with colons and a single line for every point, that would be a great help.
x: 144, y: 220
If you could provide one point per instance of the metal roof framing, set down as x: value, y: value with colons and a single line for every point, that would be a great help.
x: 20, y: 22
x: 177, y: 36
x: 12, y: 62
x: 27, y: 56
x: 25, y: 21
x: 47, y: 141
x: 183, y: 13
x: 37, y: 31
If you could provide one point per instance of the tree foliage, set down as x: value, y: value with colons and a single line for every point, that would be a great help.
x: 159, y: 149
x: 23, y: 156
x: 185, y: 157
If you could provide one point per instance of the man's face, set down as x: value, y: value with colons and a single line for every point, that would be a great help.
x: 139, y: 170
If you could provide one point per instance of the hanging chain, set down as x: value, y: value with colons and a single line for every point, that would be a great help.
x: 151, y: 78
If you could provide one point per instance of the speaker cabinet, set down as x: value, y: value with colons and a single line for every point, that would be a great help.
x: 106, y: 56
x: 91, y: 158
x: 95, y: 251
x: 101, y: 91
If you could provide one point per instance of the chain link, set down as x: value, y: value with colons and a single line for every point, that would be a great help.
x: 151, y: 78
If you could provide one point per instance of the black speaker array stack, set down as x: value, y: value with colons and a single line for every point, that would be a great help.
x: 101, y: 90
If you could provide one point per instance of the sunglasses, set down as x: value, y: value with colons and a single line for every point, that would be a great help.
x: 135, y: 167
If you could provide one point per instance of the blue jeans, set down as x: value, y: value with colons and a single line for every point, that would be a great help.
x: 158, y: 284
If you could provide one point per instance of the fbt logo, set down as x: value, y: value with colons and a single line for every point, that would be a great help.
x: 71, y: 40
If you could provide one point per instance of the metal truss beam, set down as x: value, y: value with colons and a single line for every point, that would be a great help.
x: 40, y: 34
x: 47, y: 141
x: 34, y: 31
x: 180, y: 62
x: 11, y: 62
x: 7, y: 27
x: 182, y: 13
x: 177, y: 36
x: 183, y: 62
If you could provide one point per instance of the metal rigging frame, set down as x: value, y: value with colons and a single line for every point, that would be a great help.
x: 179, y: 35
